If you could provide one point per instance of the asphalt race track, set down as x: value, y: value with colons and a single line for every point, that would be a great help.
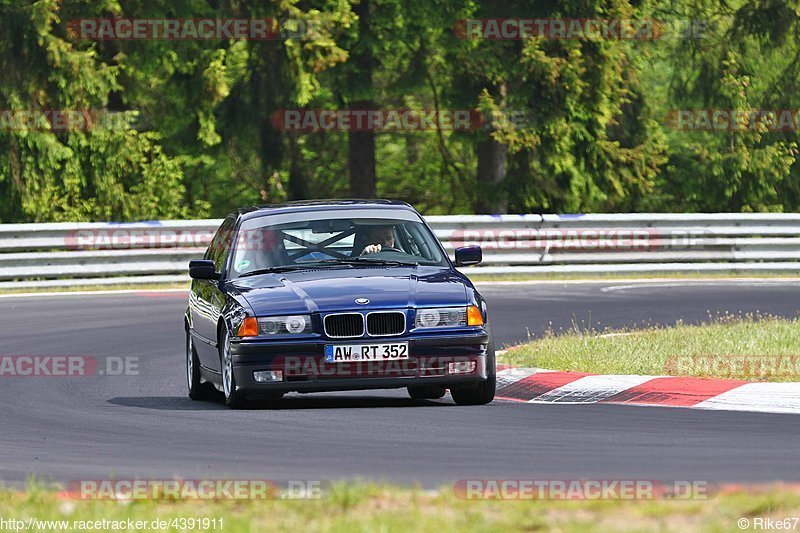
x: 144, y: 426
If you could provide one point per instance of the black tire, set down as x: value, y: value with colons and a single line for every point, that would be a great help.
x: 426, y: 392
x: 198, y: 390
x: 233, y: 398
x: 483, y: 393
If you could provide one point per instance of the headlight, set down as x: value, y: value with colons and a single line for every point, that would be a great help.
x: 284, y: 325
x: 297, y: 324
x: 442, y: 317
x: 275, y: 325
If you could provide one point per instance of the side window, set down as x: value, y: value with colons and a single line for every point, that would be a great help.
x: 220, y: 245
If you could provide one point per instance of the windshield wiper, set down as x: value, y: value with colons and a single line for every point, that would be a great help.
x: 344, y: 261
x: 275, y: 270
x: 369, y: 261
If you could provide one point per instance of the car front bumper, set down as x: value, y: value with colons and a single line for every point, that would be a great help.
x: 304, y: 369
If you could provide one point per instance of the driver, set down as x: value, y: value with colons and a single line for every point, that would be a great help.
x: 379, y: 237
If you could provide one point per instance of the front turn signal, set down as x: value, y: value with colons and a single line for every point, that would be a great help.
x: 474, y: 316
x: 249, y: 327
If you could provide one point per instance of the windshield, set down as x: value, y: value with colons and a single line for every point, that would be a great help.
x: 332, y: 239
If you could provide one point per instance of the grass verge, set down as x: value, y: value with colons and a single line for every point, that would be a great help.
x: 358, y: 507
x: 753, y: 347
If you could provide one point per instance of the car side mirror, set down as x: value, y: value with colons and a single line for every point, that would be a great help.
x: 469, y: 255
x: 203, y: 269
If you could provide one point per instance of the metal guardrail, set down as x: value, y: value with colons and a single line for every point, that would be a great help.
x: 75, y: 254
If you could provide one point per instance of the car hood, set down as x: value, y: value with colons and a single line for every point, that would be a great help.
x: 336, y: 290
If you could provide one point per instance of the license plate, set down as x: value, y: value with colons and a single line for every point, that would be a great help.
x: 344, y: 353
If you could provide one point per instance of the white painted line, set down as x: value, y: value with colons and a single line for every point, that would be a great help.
x: 631, y: 283
x: 688, y: 283
x: 637, y: 281
x: 84, y: 283
x: 512, y: 375
x: 591, y: 389
x: 92, y: 293
x: 758, y: 397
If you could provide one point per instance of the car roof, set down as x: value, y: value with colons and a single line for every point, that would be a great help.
x: 318, y: 205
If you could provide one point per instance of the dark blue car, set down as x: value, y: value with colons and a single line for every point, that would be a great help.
x: 331, y: 296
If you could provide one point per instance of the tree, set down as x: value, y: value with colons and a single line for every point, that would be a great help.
x: 95, y: 168
x: 553, y: 108
x: 743, y: 62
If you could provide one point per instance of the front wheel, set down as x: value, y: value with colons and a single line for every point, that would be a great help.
x: 233, y: 398
x: 480, y: 395
x: 197, y: 389
x: 483, y: 393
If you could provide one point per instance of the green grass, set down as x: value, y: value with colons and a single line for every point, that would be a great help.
x: 359, y: 507
x: 713, y: 349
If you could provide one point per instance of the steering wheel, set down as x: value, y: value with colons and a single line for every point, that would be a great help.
x: 384, y: 249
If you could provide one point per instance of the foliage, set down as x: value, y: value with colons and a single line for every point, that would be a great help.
x: 183, y: 128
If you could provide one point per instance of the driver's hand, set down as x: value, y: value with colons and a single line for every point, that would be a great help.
x: 371, y: 249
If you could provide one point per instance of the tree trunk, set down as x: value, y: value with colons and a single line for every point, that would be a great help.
x: 491, y: 175
x: 492, y: 197
x: 361, y: 160
x: 298, y: 183
x: 361, y: 144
